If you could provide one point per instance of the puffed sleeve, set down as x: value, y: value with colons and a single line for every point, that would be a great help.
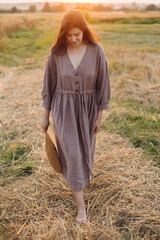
x: 49, y: 82
x: 103, y: 92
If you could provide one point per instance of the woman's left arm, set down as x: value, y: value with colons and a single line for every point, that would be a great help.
x: 98, y: 122
x: 103, y: 91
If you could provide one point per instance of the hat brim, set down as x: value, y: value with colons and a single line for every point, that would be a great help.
x: 52, y: 152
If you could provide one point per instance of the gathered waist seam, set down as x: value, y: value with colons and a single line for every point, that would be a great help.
x: 74, y: 92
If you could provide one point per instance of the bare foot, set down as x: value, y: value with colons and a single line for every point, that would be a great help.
x: 81, y: 216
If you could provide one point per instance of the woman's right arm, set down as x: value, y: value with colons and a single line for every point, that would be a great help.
x: 49, y: 85
x: 45, y: 121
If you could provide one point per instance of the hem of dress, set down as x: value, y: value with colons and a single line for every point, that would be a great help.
x: 81, y: 189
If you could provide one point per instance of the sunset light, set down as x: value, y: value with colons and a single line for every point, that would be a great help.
x: 82, y: 1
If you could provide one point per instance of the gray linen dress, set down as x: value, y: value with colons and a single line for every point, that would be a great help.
x: 75, y: 96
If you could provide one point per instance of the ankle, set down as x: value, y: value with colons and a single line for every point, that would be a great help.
x: 81, y: 206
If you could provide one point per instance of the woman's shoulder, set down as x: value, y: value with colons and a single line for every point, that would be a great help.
x: 51, y: 57
x: 51, y: 54
x: 51, y: 60
x: 99, y: 48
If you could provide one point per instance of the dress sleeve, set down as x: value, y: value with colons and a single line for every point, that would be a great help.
x: 103, y: 91
x: 49, y: 82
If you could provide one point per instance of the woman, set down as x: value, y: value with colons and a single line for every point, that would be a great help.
x: 76, y: 88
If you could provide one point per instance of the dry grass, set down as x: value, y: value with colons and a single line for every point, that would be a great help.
x: 124, y: 15
x: 10, y: 23
x: 23, y: 21
x: 125, y: 196
x: 135, y: 76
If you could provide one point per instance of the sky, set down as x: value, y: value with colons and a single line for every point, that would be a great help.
x: 106, y: 1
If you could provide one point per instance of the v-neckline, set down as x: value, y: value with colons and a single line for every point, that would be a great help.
x: 75, y: 69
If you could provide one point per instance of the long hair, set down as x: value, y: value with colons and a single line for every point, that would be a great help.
x: 72, y: 19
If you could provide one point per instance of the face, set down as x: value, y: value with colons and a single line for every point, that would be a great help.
x: 74, y: 37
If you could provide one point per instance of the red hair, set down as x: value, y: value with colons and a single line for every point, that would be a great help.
x: 72, y: 19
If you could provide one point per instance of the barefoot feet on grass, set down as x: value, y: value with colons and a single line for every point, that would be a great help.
x: 81, y: 216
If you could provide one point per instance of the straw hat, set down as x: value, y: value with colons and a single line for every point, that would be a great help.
x: 52, y: 152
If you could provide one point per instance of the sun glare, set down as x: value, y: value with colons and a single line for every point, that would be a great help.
x: 83, y: 1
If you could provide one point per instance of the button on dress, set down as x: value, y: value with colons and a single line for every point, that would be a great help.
x: 74, y: 97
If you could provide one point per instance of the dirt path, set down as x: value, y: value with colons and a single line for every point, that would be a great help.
x: 125, y: 190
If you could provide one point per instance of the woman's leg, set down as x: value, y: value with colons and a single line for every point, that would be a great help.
x: 81, y: 216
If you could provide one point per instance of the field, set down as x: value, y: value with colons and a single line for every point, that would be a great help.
x: 35, y: 202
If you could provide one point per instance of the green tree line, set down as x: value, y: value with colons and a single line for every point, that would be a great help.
x: 47, y: 7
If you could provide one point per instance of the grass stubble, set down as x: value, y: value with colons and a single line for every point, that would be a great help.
x: 36, y: 202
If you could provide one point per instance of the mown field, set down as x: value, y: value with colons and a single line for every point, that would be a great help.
x: 35, y: 202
